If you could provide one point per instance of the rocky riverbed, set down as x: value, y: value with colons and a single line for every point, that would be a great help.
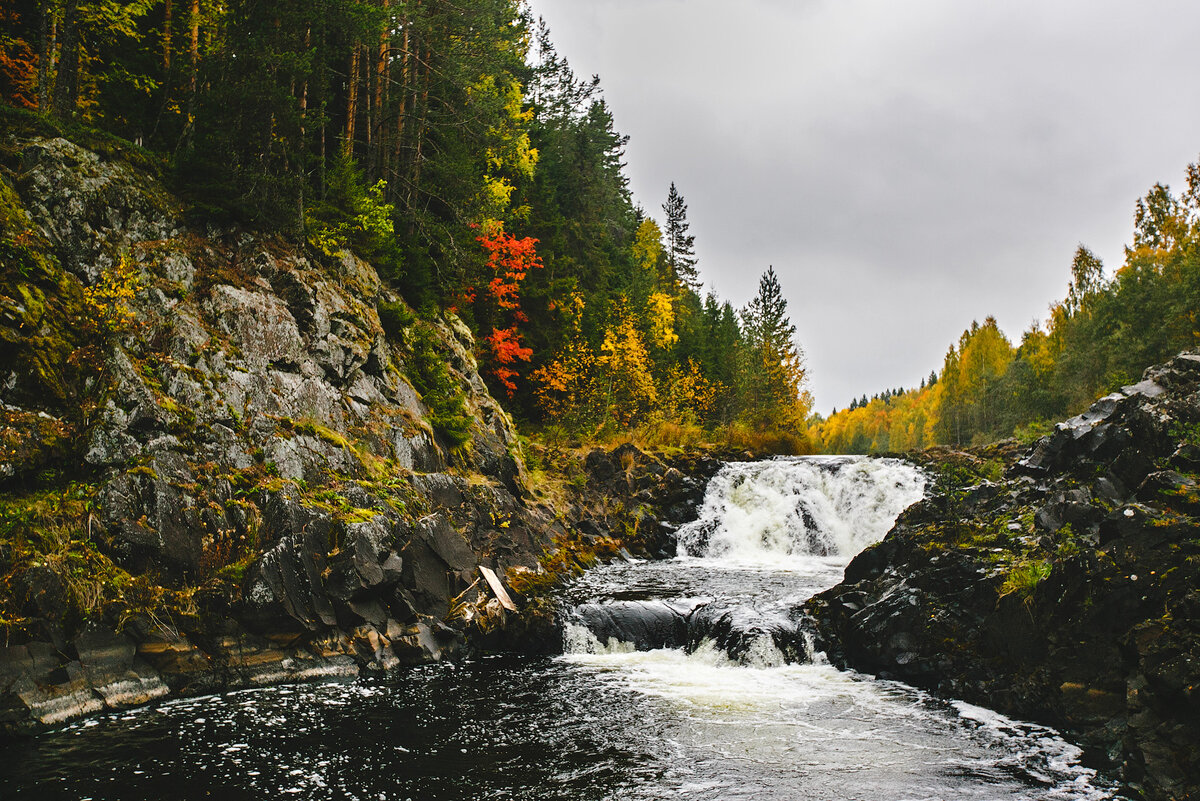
x: 1063, y: 590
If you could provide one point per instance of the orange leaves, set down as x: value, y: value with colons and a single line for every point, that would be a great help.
x: 509, y: 259
x: 506, y: 349
x: 498, y: 306
x: 562, y: 387
x: 18, y: 68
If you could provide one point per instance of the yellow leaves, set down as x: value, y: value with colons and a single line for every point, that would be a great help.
x: 1040, y: 349
x: 497, y: 192
x: 625, y: 372
x: 106, y: 301
x: 647, y: 246
x: 660, y: 314
x: 898, y: 424
x: 562, y: 387
x: 687, y: 394
x: 508, y: 154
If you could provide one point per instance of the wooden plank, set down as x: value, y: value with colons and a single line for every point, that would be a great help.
x: 501, y: 594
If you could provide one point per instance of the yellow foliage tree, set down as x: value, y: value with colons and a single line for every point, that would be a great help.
x: 647, y: 248
x: 508, y: 150
x: 660, y: 313
x: 564, y: 387
x: 623, y: 369
x: 687, y: 396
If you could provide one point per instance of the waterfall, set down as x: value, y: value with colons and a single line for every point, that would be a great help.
x: 769, y: 535
x: 816, y: 506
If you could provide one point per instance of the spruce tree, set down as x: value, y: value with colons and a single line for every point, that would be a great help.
x: 680, y: 246
x: 776, y: 373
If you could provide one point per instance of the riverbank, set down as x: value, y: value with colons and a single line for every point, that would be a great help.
x: 680, y: 677
x: 228, y: 461
x: 1061, y: 589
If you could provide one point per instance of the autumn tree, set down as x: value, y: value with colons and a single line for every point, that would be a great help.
x: 564, y: 387
x: 496, y: 304
x: 627, y: 391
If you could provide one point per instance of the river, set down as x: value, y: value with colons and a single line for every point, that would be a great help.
x: 688, y: 678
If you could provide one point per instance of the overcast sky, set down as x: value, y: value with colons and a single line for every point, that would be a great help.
x: 907, y: 167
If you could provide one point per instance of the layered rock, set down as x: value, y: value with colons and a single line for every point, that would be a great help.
x: 1065, y: 591
x: 250, y: 443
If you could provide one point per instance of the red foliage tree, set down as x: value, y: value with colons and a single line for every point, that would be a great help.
x: 498, y: 305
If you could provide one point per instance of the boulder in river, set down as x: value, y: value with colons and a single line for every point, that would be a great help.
x: 1065, y: 592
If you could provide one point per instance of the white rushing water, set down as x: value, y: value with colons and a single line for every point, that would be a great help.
x: 758, y: 724
x: 765, y: 512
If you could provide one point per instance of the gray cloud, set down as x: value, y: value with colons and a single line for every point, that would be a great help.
x: 906, y: 167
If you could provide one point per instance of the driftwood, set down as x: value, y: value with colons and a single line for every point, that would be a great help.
x: 498, y: 590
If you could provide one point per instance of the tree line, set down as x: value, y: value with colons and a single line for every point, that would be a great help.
x: 451, y: 145
x: 1098, y: 338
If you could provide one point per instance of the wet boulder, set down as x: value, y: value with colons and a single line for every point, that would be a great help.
x: 1064, y: 594
x: 748, y: 635
x: 647, y: 625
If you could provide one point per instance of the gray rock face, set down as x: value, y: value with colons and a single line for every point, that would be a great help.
x: 92, y: 208
x: 258, y: 440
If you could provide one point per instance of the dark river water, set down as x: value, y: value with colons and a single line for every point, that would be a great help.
x: 603, y: 721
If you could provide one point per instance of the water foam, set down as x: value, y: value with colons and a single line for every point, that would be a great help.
x: 764, y: 512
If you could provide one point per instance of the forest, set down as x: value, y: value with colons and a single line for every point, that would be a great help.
x: 455, y: 149
x: 1098, y: 338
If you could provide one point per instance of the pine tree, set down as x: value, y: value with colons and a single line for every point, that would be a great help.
x: 776, y: 373
x: 681, y: 247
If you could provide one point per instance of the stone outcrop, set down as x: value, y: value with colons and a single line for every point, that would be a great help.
x: 257, y: 492
x: 251, y: 443
x: 1065, y: 591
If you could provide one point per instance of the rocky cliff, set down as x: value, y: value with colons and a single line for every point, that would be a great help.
x: 1064, y: 590
x: 218, y: 468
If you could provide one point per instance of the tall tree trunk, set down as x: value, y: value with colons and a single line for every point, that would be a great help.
x: 66, y: 84
x: 321, y: 163
x: 419, y: 131
x: 46, y: 31
x: 351, y: 101
x: 166, y: 36
x: 381, y: 75
x: 304, y: 88
x: 405, y: 91
x: 194, y: 15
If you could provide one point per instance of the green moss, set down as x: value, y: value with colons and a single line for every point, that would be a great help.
x: 425, y: 365
x: 1023, y: 579
x: 396, y: 319
x: 1186, y: 432
x: 236, y: 571
x: 375, y: 467
x: 52, y: 572
x: 1033, y: 431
